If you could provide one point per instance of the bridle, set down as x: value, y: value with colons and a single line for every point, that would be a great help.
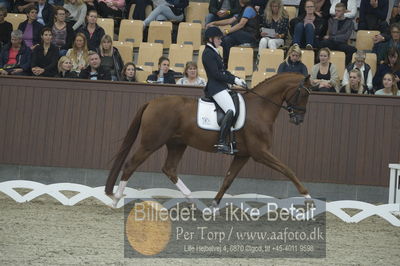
x: 291, y: 106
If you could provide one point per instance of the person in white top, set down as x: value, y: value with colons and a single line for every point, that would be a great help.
x: 191, y: 76
x: 350, y: 11
x: 77, y: 10
x: 389, y: 86
x: 360, y: 64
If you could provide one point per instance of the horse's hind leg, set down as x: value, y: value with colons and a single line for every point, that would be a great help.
x: 130, y: 166
x: 175, y: 153
x: 236, y: 165
x: 270, y: 160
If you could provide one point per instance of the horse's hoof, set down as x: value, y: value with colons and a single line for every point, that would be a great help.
x: 115, y: 201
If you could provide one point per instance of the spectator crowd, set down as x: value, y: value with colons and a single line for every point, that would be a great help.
x: 61, y: 38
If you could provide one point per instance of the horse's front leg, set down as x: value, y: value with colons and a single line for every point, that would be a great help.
x: 265, y: 157
x: 237, y: 164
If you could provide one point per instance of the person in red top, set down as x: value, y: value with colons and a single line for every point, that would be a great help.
x: 15, y: 57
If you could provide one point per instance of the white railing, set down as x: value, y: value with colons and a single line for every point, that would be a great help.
x: 394, y: 183
x: 385, y: 211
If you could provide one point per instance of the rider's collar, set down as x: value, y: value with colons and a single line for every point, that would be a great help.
x: 215, y: 49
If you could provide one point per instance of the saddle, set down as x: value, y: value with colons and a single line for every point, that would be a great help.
x: 210, y: 114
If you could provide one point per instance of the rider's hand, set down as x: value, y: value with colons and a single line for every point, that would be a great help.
x: 240, y: 82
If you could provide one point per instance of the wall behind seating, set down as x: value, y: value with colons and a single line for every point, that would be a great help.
x: 80, y: 124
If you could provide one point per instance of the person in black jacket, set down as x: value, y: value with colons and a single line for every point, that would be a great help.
x: 308, y: 28
x: 164, y: 75
x: 45, y: 56
x: 111, y: 59
x: 217, y: 85
x: 5, y: 28
x: 64, y: 67
x: 220, y: 10
x: 15, y: 57
x: 21, y: 5
x: 140, y: 8
x: 245, y: 28
x: 45, y: 13
x: 322, y: 8
x: 95, y: 71
x: 31, y: 28
x: 92, y: 31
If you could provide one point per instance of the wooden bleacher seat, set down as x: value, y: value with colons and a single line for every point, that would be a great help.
x: 307, y: 57
x: 270, y: 59
x: 108, y: 25
x: 141, y: 75
x: 339, y: 60
x: 364, y: 40
x: 179, y: 55
x: 196, y: 12
x: 131, y: 31
x: 160, y: 32
x: 292, y: 11
x: 189, y: 33
x: 149, y: 53
x: 239, y: 73
x: 241, y: 59
x: 15, y: 19
x: 125, y: 49
x: 259, y: 76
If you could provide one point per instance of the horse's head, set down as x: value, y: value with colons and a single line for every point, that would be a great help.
x: 296, y: 100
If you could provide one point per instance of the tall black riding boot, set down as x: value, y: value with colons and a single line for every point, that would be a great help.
x: 226, y: 124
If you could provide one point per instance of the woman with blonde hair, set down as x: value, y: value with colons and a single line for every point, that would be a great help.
x: 356, y: 83
x: 77, y: 12
x: 293, y: 62
x: 191, y: 76
x: 79, y: 53
x: 65, y: 68
x: 389, y: 86
x: 324, y: 76
x: 111, y: 60
x: 275, y: 27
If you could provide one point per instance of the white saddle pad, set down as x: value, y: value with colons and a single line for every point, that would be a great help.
x: 207, y: 115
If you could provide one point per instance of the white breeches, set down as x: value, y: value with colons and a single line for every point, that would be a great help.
x: 224, y: 100
x: 270, y: 43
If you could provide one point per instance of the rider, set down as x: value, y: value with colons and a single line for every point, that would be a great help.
x: 217, y: 85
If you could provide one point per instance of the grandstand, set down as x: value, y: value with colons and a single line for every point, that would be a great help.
x: 245, y: 61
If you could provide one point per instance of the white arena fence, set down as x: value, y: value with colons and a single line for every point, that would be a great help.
x: 385, y: 211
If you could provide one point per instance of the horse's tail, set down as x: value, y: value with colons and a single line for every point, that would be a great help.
x: 124, y: 150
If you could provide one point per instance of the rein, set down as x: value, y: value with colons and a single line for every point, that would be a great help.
x: 290, y: 107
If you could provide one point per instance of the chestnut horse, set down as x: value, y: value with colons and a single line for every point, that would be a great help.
x: 171, y: 120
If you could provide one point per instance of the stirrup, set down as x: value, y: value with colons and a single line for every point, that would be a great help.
x: 225, y: 149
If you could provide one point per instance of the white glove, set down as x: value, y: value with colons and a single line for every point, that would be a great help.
x: 240, y: 82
